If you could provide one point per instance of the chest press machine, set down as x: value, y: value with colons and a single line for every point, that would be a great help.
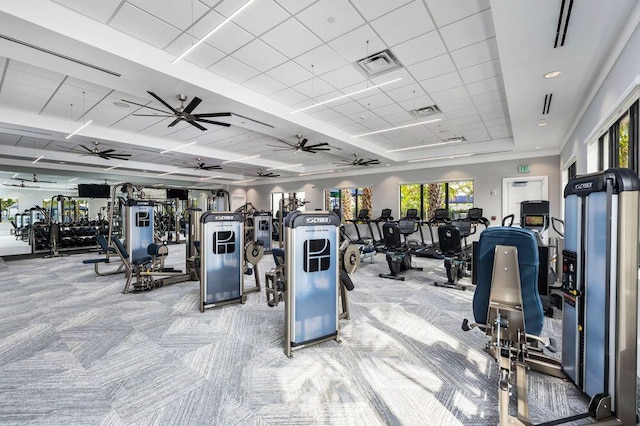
x: 600, y: 298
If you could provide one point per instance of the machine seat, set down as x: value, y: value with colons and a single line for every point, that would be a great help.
x: 525, y: 242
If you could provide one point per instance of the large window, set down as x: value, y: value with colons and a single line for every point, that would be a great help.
x: 349, y: 201
x: 455, y: 196
x: 618, y: 145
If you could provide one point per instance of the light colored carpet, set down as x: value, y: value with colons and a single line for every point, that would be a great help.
x: 74, y: 350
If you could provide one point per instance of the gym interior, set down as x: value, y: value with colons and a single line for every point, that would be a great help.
x: 319, y: 212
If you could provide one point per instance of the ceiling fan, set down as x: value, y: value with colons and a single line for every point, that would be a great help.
x: 302, y: 146
x: 263, y: 173
x: 183, y: 113
x: 203, y: 166
x: 34, y: 179
x: 107, y: 154
x: 22, y: 185
x: 357, y: 161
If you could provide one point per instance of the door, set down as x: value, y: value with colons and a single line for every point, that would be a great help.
x: 518, y: 189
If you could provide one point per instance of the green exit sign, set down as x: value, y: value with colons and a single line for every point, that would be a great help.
x: 524, y: 168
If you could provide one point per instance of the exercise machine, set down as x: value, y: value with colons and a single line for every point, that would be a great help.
x: 263, y: 228
x: 221, y: 259
x: 398, y: 254
x: 600, y: 286
x: 457, y: 256
x: 378, y: 238
x: 312, y: 277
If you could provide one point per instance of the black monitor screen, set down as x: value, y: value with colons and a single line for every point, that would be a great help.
x: 86, y: 190
x: 534, y: 221
x: 180, y: 194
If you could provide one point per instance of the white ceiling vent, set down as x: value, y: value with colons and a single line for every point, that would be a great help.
x: 378, y: 63
x: 425, y: 111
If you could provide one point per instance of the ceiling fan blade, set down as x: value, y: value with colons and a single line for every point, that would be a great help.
x: 90, y: 151
x: 320, y: 149
x: 304, y: 142
x: 218, y: 123
x: 143, y: 106
x: 192, y: 105
x: 194, y: 124
x: 107, y: 151
x: 119, y: 156
x: 22, y: 179
x: 316, y: 145
x: 214, y: 167
x: 288, y: 143
x: 174, y: 122
x: 154, y: 115
x: 213, y: 114
x: 172, y: 109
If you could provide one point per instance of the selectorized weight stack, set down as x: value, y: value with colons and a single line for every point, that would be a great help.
x: 139, y: 227
x: 600, y: 298
x: 311, y: 259
x: 221, y: 257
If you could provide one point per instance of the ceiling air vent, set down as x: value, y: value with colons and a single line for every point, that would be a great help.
x: 425, y: 111
x: 378, y: 63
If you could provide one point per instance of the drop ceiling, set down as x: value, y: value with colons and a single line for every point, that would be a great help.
x: 481, y: 62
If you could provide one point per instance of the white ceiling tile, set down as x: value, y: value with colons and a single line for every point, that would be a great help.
x: 387, y: 110
x: 442, y: 82
x: 98, y: 10
x: 481, y: 71
x: 227, y: 7
x: 477, y: 135
x: 406, y: 93
x: 291, y: 38
x: 483, y: 86
x: 264, y: 84
x: 418, y: 102
x: 465, y: 112
x: 313, y: 87
x: 498, y: 95
x: 342, y: 121
x: 143, y: 26
x: 234, y: 70
x: 24, y: 97
x: 492, y: 115
x: 373, y: 9
x: 330, y: 19
x: 343, y: 77
x: 289, y: 97
x: 326, y: 114
x: 261, y: 16
x: 353, y: 45
x: 174, y: 13
x: 289, y: 73
x: 349, y: 108
x: 329, y: 95
x: 206, y: 23
x: 450, y: 94
x: 204, y: 55
x: 259, y: 55
x: 492, y: 106
x: 430, y: 68
x: 476, y: 53
x: 469, y: 124
x: 447, y: 12
x: 322, y: 58
x: 400, y: 118
x: 295, y: 6
x: 392, y: 75
x: 462, y: 103
x: 375, y: 101
x: 499, y: 121
x: 404, y: 23
x: 469, y: 30
x: 499, y: 131
x: 229, y: 38
x: 419, y: 49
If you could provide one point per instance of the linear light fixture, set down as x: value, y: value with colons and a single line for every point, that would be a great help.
x: 72, y: 179
x: 244, y: 181
x: 240, y: 159
x: 178, y: 147
x: 426, y: 146
x: 16, y: 175
x: 37, y: 159
x: 210, y: 33
x: 211, y: 177
x: 168, y: 173
x: 112, y: 167
x: 284, y: 167
x: 79, y: 128
x: 347, y: 95
x: 316, y: 173
x: 444, y: 157
x: 397, y: 128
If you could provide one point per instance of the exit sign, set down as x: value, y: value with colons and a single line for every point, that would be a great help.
x: 524, y: 168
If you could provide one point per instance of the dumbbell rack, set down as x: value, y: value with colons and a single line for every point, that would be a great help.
x: 73, y: 236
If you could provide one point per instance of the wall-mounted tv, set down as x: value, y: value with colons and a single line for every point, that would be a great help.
x: 86, y: 190
x: 180, y: 194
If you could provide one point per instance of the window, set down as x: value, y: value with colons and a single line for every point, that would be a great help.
x: 349, y: 201
x: 456, y: 196
x: 618, y: 145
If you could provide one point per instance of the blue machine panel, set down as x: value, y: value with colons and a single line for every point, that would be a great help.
x: 140, y: 228
x: 571, y: 227
x: 263, y: 224
x: 221, y: 256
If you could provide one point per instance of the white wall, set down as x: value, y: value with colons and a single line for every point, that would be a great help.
x: 386, y: 186
x: 622, y: 74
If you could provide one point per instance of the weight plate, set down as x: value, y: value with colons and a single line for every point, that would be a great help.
x: 351, y: 259
x: 253, y: 253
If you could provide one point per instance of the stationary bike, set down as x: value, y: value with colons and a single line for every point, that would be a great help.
x: 398, y: 251
x: 456, y: 256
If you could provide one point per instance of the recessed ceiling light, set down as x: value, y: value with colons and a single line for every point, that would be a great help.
x: 552, y: 74
x: 543, y: 123
x: 121, y: 104
x: 331, y: 19
x: 538, y: 146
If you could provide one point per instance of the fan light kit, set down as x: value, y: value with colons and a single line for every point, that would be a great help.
x: 78, y: 129
x: 397, y: 128
x: 178, y: 147
x: 302, y: 146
